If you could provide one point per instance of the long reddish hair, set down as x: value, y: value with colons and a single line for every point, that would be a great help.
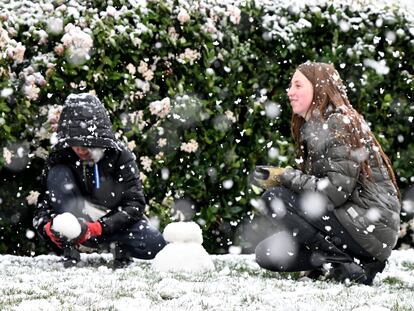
x: 329, y: 90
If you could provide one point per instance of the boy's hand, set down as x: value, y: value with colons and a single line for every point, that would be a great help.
x: 52, y: 234
x: 89, y: 230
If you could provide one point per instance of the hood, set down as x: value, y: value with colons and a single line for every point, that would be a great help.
x: 84, y: 121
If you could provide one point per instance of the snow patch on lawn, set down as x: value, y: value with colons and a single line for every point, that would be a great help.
x: 41, y: 283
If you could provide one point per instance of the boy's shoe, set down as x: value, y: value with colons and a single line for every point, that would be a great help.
x: 121, y: 258
x: 71, y: 257
x: 122, y: 263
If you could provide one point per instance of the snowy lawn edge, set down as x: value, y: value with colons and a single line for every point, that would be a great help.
x: 41, y: 283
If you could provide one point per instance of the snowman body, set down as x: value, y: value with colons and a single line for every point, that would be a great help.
x: 184, y: 251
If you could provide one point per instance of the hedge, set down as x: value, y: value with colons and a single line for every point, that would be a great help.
x: 198, y: 91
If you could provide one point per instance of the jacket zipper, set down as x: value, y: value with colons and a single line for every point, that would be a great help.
x: 85, y: 176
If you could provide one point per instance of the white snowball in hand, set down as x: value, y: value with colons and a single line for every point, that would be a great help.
x: 67, y: 225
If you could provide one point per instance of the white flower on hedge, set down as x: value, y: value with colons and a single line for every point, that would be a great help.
x: 189, y: 147
x: 137, y: 118
x: 189, y: 56
x: 162, y: 142
x: 183, y: 16
x: 78, y: 43
x: 42, y: 134
x: 6, y: 92
x: 59, y: 49
x: 7, y: 155
x: 132, y: 145
x: 159, y: 156
x: 142, y: 85
x: 53, y: 116
x: 43, y: 36
x: 148, y: 75
x: 32, y: 197
x: 146, y: 163
x: 143, y: 69
x: 19, y: 53
x: 4, y: 37
x: 131, y: 69
x: 142, y: 177
x: 31, y: 91
x: 211, y: 27
x: 55, y: 25
x: 234, y: 14
x: 230, y: 116
x: 160, y: 108
x: 172, y: 33
x: 16, y: 52
x: 111, y: 11
x: 136, y: 42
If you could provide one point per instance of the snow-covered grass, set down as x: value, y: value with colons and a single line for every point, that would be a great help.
x: 41, y: 283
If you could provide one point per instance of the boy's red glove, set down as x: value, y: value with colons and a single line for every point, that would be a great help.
x: 53, y: 235
x: 93, y: 230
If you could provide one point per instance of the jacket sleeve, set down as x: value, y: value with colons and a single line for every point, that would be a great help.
x: 132, y: 202
x: 43, y: 213
x: 337, y: 169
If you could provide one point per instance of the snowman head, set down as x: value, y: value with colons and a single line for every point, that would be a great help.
x: 183, y: 232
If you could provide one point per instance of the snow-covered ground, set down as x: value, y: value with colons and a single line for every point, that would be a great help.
x: 41, y: 283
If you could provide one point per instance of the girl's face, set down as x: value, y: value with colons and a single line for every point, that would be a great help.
x: 300, y: 94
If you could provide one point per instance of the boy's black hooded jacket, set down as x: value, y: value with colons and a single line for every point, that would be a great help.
x: 85, y: 122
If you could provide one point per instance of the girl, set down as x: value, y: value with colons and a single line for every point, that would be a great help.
x: 342, y: 205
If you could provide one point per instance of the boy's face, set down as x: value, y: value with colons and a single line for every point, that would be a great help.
x: 83, y: 153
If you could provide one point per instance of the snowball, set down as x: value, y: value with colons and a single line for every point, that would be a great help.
x: 67, y: 225
x: 183, y: 232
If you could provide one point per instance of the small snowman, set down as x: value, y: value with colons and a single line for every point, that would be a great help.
x: 184, y: 252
